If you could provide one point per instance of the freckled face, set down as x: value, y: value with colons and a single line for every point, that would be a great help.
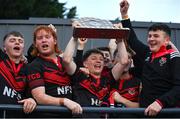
x: 45, y: 43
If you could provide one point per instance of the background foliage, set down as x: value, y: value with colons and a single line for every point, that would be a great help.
x: 23, y: 9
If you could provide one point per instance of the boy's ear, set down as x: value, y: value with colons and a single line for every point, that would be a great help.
x: 85, y: 64
x: 55, y: 41
x: 167, y: 40
x: 4, y: 48
x: 34, y: 43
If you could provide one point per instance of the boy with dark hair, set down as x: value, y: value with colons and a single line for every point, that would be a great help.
x: 107, y: 56
x: 161, y: 27
x: 93, y: 88
x: 12, y: 74
x: 160, y: 66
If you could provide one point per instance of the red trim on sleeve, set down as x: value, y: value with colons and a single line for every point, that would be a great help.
x: 36, y: 83
x: 112, y: 91
x: 159, y: 102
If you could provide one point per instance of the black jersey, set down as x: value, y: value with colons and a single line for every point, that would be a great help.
x: 128, y: 88
x: 45, y: 72
x: 79, y: 58
x: 12, y: 80
x: 160, y: 79
x: 12, y: 84
x: 90, y: 91
x: 160, y: 72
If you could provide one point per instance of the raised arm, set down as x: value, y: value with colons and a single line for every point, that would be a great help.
x: 70, y: 65
x: 140, y: 48
x: 122, y: 60
x: 79, y: 52
x: 112, y: 47
x: 124, y: 6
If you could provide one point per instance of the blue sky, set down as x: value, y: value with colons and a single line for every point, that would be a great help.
x: 140, y: 10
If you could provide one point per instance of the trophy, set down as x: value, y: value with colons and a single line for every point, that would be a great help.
x: 98, y: 28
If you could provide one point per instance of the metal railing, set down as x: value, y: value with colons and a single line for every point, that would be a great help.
x: 47, y: 108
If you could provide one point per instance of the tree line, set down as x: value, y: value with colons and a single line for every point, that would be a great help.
x: 23, y: 9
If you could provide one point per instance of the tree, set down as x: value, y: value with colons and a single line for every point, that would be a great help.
x: 15, y: 9
x: 23, y: 9
x: 71, y: 13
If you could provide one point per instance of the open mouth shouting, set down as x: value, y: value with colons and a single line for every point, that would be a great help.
x: 45, y: 46
x: 97, y: 66
x: 16, y: 48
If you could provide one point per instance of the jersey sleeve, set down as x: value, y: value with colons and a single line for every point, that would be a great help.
x: 3, y: 55
x: 35, y: 75
x: 79, y: 58
x: 79, y: 75
x: 172, y: 97
x: 140, y: 48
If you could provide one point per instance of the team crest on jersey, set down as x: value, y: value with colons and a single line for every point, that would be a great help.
x: 162, y: 61
x: 147, y: 59
x: 132, y: 91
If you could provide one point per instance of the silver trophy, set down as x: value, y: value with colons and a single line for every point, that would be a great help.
x: 98, y: 28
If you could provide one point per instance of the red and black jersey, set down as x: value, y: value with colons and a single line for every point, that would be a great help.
x: 90, y: 91
x: 45, y: 72
x: 12, y: 80
x: 129, y: 88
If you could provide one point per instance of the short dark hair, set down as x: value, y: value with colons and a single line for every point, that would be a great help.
x: 160, y: 26
x: 103, y: 49
x: 14, y: 33
x: 91, y: 51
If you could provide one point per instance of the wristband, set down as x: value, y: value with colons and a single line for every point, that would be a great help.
x: 125, y: 17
